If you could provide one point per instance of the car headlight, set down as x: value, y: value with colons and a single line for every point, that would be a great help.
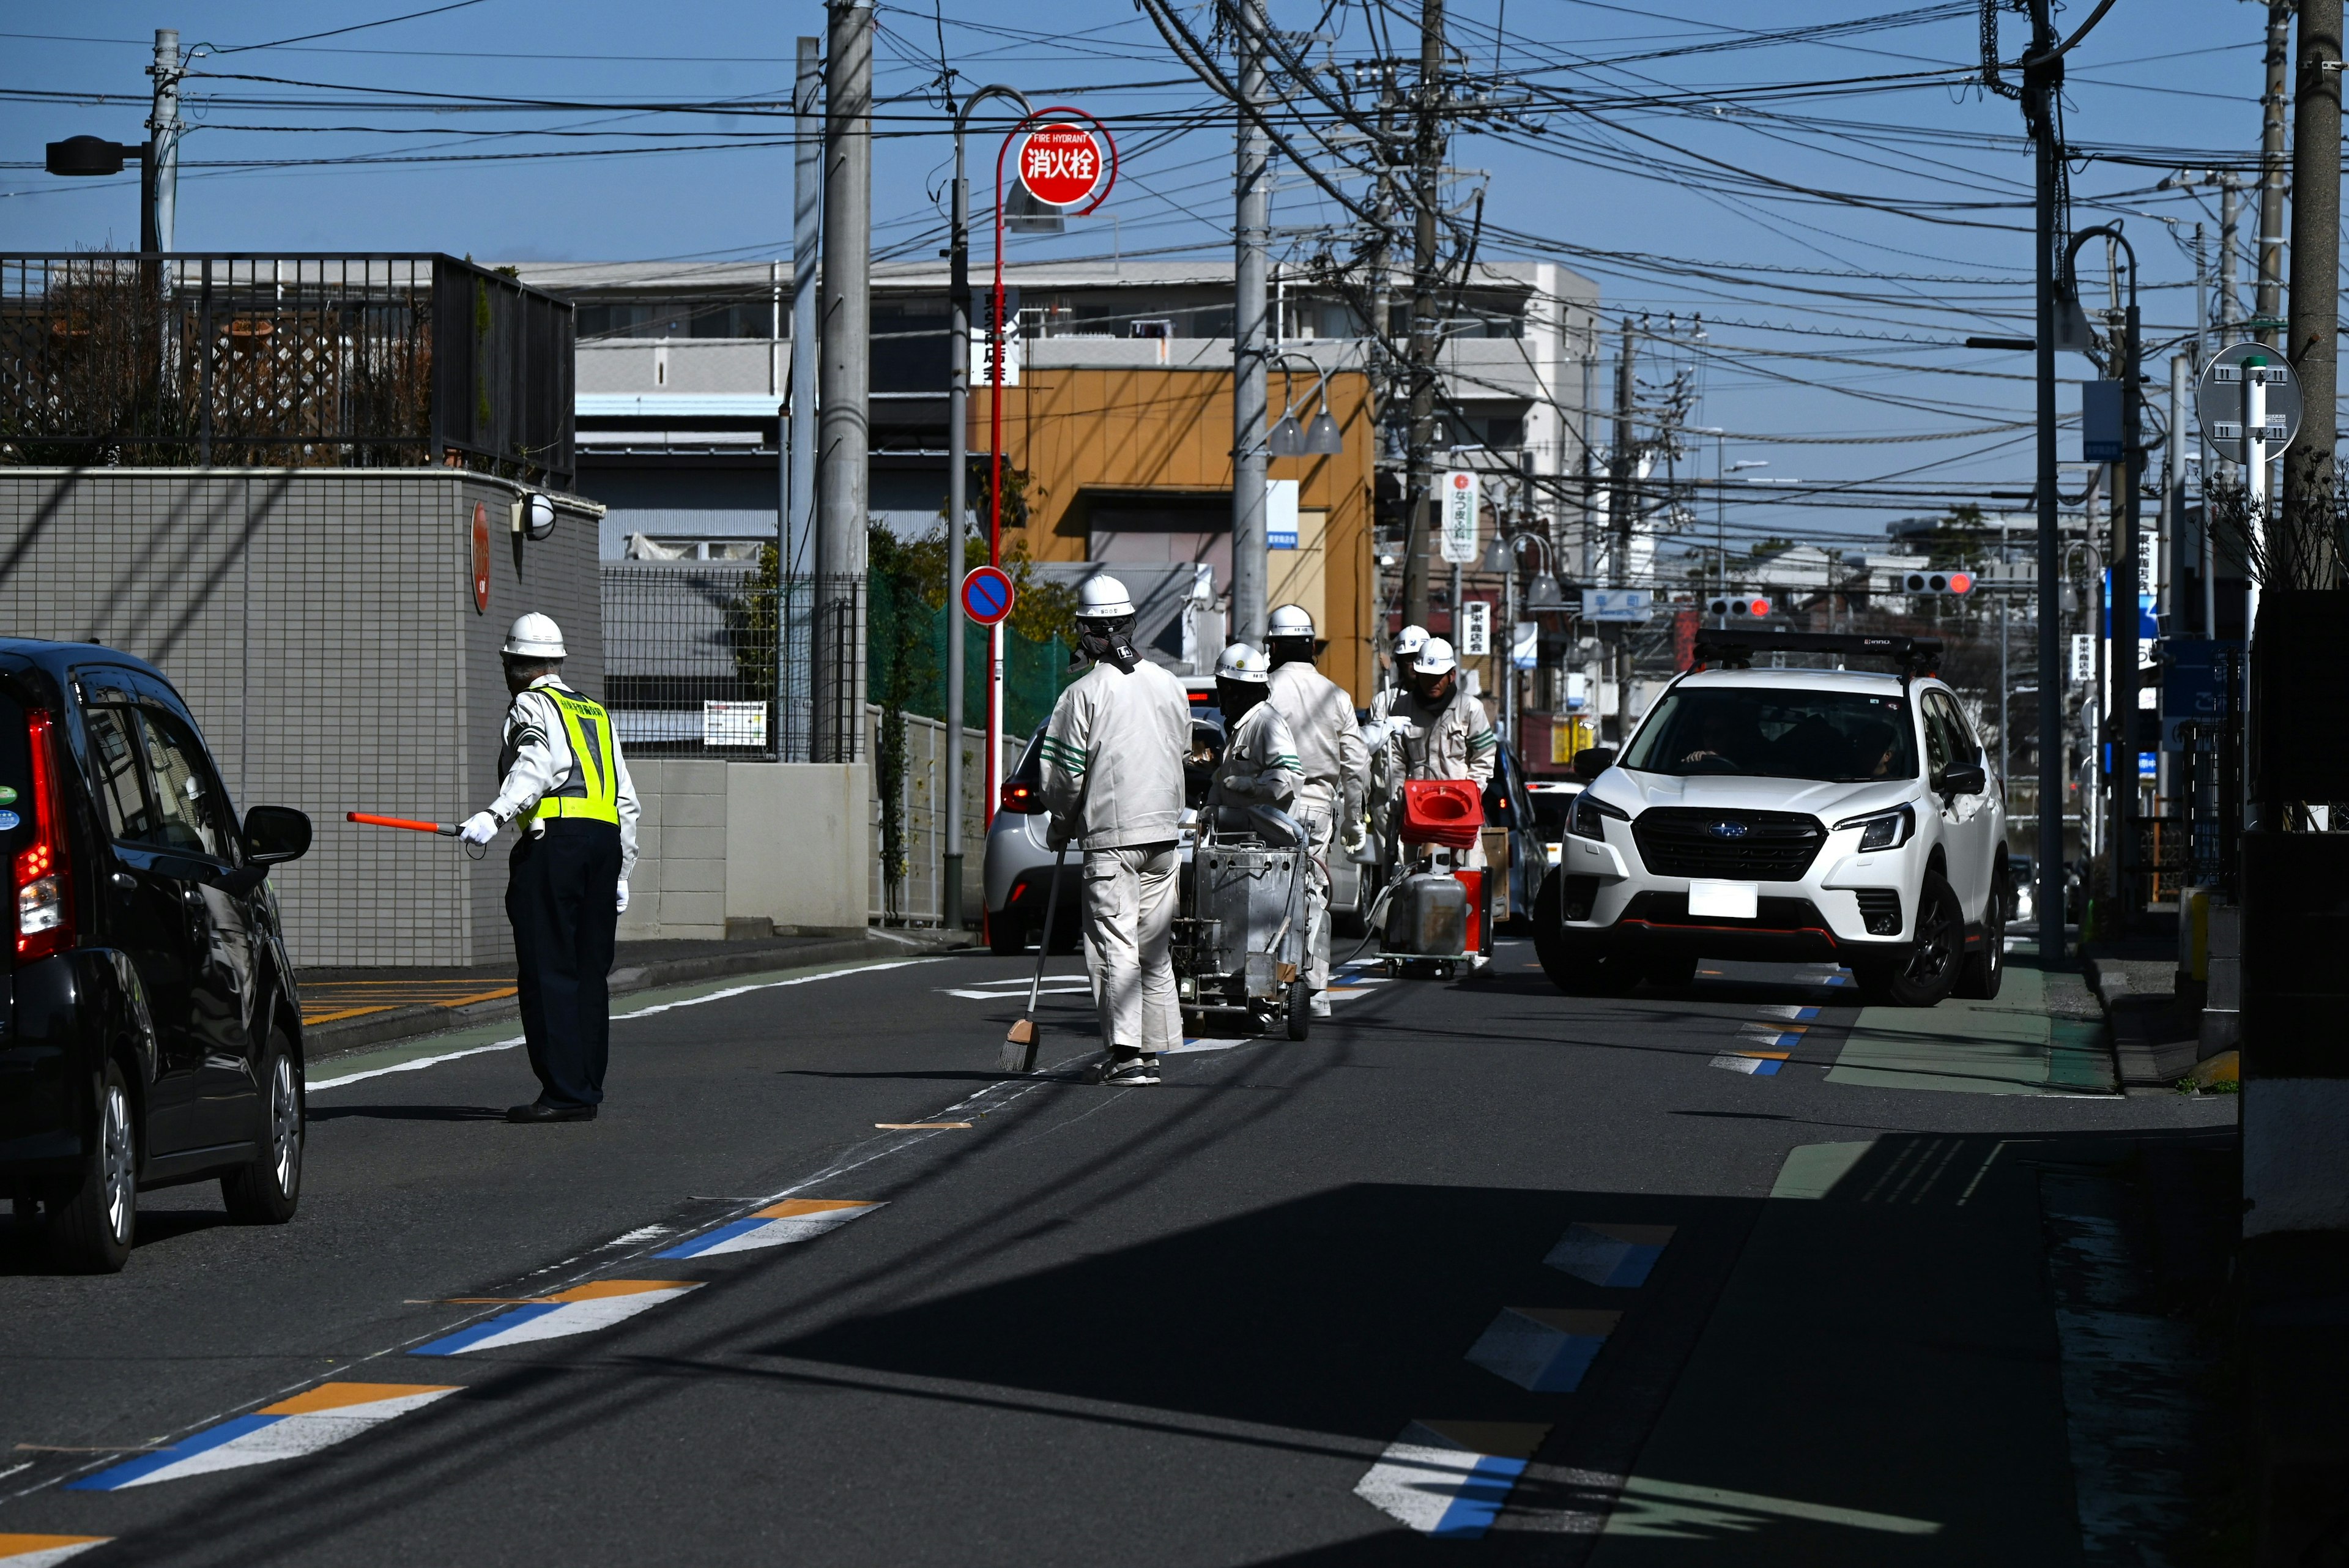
x: 1588, y: 817
x: 1883, y: 829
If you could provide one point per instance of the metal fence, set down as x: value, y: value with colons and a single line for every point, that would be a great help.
x: 309, y: 361
x: 693, y: 663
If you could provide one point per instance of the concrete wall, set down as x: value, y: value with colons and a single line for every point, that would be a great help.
x: 322, y: 625
x: 771, y: 843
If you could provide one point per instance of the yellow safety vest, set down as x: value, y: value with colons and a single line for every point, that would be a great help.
x: 593, y: 790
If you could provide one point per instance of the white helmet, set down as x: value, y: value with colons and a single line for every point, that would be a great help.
x: 1290, y: 620
x: 1434, y: 659
x: 1102, y: 598
x: 534, y: 635
x: 1408, y: 641
x: 1245, y: 664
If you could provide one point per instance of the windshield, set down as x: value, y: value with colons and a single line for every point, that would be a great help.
x: 1769, y: 732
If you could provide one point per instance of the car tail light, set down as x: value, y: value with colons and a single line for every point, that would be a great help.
x: 44, y: 877
x: 1020, y: 797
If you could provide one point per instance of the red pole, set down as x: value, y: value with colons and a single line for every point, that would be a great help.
x: 995, y: 494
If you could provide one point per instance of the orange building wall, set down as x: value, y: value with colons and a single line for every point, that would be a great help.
x: 1146, y: 428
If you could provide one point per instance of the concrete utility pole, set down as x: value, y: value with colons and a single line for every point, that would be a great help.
x: 2231, y: 217
x: 2304, y: 551
x: 163, y: 129
x: 1623, y: 506
x: 1251, y: 346
x: 2270, y: 300
x: 844, y: 423
x: 1427, y: 184
x: 2043, y: 78
x: 798, y: 543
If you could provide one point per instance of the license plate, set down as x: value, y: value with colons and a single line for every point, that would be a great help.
x: 1724, y: 901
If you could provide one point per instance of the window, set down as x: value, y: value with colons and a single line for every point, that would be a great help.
x: 1948, y: 742
x: 1774, y: 733
x: 121, y: 793
x: 190, y: 814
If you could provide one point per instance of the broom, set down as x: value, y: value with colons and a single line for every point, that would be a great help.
x: 1020, y: 1042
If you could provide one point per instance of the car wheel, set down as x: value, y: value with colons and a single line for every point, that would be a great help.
x: 1007, y: 936
x: 267, y: 1191
x: 94, y: 1211
x: 1984, y: 970
x: 1924, y: 975
x: 1300, y: 1008
x: 1573, y: 965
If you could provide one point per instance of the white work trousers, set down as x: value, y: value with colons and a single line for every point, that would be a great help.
x: 1129, y: 897
x: 1319, y: 817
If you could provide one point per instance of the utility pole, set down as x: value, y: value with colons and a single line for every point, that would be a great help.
x: 843, y: 417
x: 2043, y: 78
x: 2127, y: 575
x: 1250, y: 345
x: 1427, y: 180
x: 1623, y: 506
x: 2305, y: 552
x: 163, y: 129
x: 792, y: 629
x: 2277, y: 59
x: 2231, y: 217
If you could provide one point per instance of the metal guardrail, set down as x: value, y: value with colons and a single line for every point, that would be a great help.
x: 300, y: 360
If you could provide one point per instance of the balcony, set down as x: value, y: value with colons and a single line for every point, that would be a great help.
x: 114, y: 359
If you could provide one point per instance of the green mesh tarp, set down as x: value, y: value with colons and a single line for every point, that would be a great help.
x: 906, y: 662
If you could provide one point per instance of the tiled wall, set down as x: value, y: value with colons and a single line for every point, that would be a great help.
x: 678, y: 889
x: 322, y: 626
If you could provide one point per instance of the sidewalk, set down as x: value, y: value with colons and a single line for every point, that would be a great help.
x: 2044, y: 1034
x: 352, y: 1008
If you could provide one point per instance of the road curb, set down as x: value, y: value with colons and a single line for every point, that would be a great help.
x: 339, y: 1038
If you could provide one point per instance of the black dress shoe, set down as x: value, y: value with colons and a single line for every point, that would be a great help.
x: 540, y: 1111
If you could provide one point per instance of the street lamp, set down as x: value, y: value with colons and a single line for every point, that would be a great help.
x: 1322, y: 437
x: 957, y: 465
x: 94, y: 157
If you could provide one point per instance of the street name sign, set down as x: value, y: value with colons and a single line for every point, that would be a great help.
x: 1618, y: 604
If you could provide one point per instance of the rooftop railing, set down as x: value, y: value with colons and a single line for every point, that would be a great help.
x: 122, y: 359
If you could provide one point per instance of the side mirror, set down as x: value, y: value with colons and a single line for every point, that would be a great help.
x: 1592, y: 761
x: 1965, y: 778
x: 274, y: 835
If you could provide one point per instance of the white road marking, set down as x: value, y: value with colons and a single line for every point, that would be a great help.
x: 421, y: 1063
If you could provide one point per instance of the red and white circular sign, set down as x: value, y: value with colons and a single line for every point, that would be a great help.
x: 1061, y: 164
x: 1460, y: 482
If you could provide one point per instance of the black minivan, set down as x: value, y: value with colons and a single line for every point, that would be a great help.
x: 149, y: 1032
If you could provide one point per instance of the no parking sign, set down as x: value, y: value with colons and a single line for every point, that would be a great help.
x: 986, y: 595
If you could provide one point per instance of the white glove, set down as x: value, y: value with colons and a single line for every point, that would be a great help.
x: 1355, y: 836
x: 624, y: 895
x: 479, y: 828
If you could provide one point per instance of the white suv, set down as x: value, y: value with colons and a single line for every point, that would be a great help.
x: 1787, y: 814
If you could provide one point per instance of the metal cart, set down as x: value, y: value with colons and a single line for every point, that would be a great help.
x: 1239, y: 940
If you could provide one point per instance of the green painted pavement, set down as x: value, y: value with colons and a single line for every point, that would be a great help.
x: 2006, y: 1046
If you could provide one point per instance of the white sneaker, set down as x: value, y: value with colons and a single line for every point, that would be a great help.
x: 1321, y: 1007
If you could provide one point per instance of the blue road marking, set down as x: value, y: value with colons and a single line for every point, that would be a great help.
x: 1481, y: 1493
x: 122, y: 1475
x: 465, y: 1338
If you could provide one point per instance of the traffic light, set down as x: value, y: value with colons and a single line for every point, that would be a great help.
x: 1747, y: 606
x: 1957, y: 583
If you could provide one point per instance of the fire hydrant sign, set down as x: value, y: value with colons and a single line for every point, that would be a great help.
x: 1459, y: 499
x: 1061, y: 164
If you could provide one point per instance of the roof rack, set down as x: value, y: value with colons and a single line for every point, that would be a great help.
x: 1735, y: 650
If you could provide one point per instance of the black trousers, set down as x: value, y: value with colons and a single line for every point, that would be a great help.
x: 561, y: 895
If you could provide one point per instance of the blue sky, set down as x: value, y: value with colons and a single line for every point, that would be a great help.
x: 1651, y: 128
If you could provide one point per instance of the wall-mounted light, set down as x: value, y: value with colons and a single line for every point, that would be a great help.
x: 533, y: 516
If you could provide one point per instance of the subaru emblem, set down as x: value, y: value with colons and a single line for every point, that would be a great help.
x: 1727, y: 830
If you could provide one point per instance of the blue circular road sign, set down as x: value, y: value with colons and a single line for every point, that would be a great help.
x: 986, y: 595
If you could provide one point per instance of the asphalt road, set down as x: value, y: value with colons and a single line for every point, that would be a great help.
x: 1226, y: 1320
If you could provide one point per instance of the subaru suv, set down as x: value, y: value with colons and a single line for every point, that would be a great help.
x: 149, y: 1031
x: 1788, y: 814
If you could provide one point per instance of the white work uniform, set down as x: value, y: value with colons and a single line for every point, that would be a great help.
x: 1119, y: 738
x: 1450, y: 740
x: 1260, y: 767
x: 535, y: 759
x: 1336, y: 767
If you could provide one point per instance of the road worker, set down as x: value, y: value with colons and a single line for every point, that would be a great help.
x: 1112, y: 763
x: 1440, y: 730
x: 1260, y: 765
x: 1407, y: 644
x: 563, y: 777
x: 1337, y: 769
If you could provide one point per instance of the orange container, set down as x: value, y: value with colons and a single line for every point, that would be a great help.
x: 1450, y: 812
x: 1474, y: 883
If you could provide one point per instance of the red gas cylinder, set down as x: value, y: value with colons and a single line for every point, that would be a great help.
x: 1450, y: 812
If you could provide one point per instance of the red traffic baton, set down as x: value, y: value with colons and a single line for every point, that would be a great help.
x: 445, y: 830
